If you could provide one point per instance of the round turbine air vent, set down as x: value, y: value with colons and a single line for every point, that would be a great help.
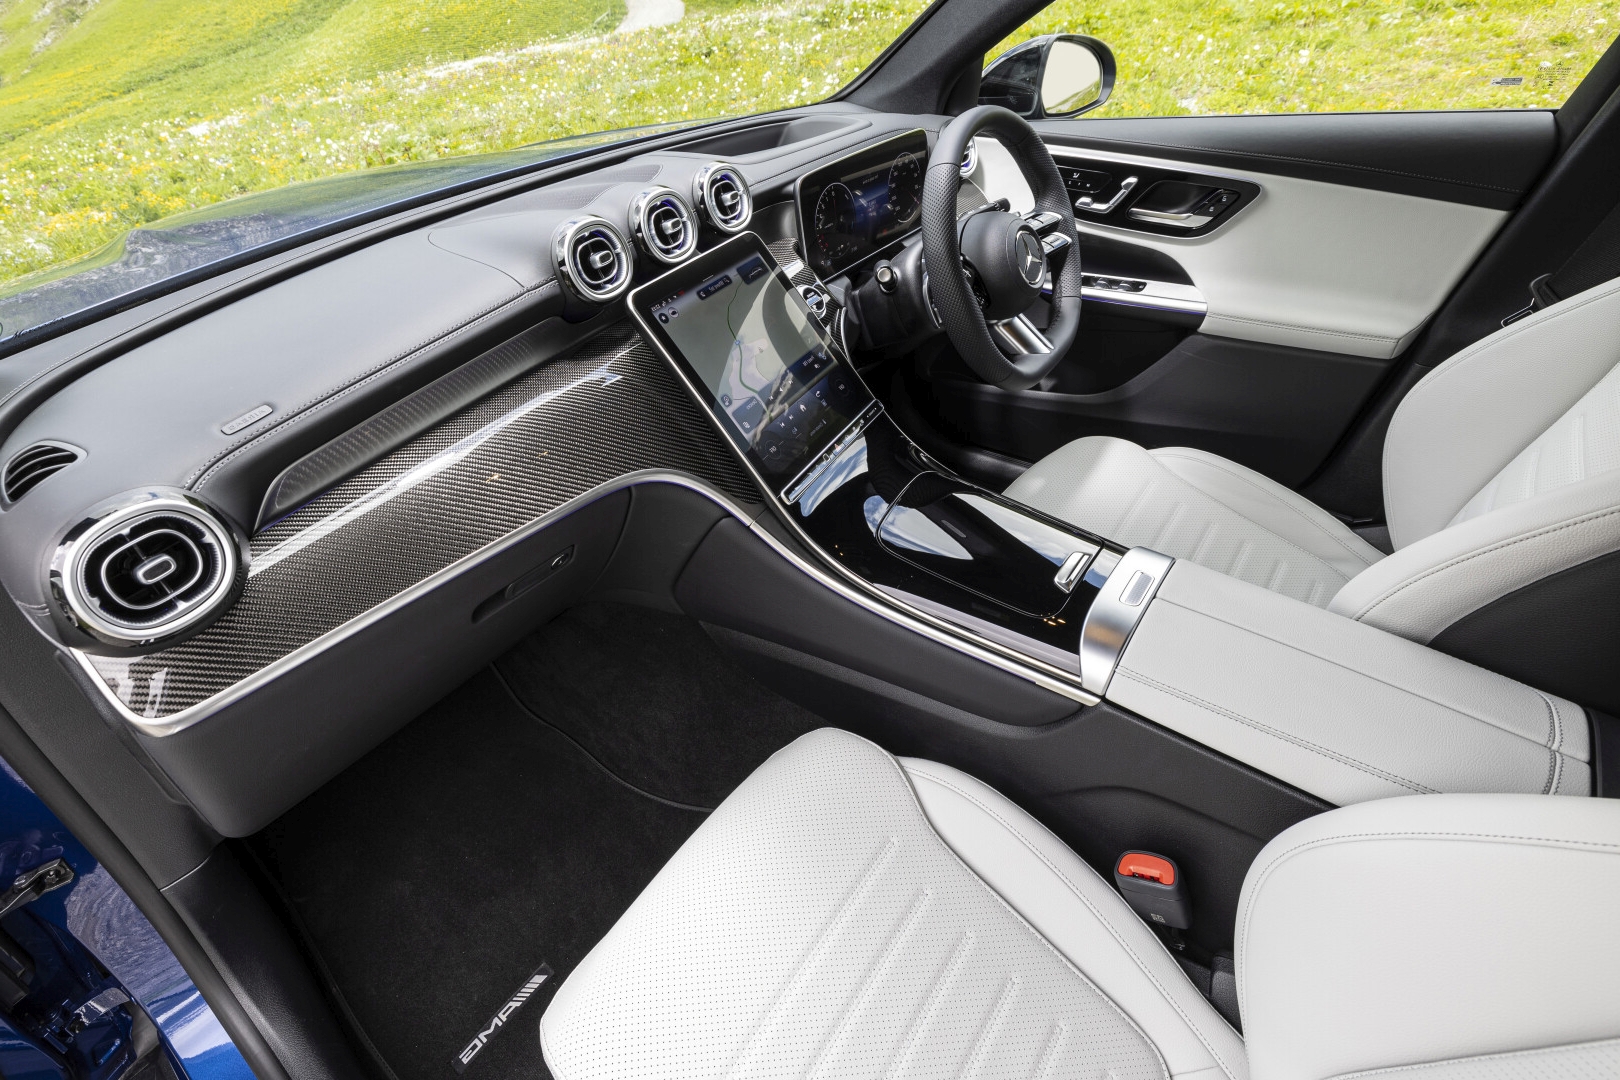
x: 592, y: 259
x: 663, y: 225
x: 722, y: 197
x: 970, y: 159
x: 33, y: 465
x: 146, y: 570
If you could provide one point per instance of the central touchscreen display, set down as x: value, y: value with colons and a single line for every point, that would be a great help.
x: 743, y: 335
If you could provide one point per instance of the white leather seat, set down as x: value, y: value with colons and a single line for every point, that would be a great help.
x: 848, y: 914
x: 1501, y: 469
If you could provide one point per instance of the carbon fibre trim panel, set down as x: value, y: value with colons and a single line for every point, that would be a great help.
x: 609, y: 409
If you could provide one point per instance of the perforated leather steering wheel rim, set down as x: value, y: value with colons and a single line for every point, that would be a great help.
x: 952, y: 295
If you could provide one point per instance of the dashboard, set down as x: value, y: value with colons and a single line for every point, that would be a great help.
x: 223, y: 524
x: 860, y: 205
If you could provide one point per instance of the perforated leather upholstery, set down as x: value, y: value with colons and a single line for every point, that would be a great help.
x: 817, y: 925
x: 846, y: 914
x: 1200, y: 507
x: 1501, y: 468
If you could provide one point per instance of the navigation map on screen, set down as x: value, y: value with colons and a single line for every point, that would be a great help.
x: 752, y: 345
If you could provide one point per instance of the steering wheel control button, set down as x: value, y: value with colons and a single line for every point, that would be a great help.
x: 1154, y: 888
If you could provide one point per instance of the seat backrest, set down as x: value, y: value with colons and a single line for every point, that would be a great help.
x: 1450, y: 937
x: 1502, y: 489
x: 1518, y: 414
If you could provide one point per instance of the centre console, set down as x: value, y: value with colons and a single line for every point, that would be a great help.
x: 1336, y: 708
x: 870, y: 502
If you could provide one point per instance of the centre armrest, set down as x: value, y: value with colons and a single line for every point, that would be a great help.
x: 1335, y: 707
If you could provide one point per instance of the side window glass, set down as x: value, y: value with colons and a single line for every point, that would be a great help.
x: 1206, y: 57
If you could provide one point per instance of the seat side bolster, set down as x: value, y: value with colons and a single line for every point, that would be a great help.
x: 1474, y: 413
x: 1426, y: 929
x: 1425, y: 587
x: 1082, y: 916
x: 1267, y: 503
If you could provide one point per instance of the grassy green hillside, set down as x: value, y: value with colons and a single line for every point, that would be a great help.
x: 114, y: 113
x: 1234, y: 56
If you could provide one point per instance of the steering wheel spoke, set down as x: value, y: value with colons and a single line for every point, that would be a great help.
x: 1005, y: 258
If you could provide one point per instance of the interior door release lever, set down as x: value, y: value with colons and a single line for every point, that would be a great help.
x: 1090, y: 205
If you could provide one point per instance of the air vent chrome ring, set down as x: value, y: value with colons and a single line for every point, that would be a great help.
x: 592, y: 259
x: 145, y: 569
x: 663, y: 225
x: 722, y: 197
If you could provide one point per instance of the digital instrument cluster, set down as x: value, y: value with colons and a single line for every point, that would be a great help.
x: 859, y: 205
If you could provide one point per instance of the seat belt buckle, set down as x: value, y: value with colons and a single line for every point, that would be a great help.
x: 1155, y: 889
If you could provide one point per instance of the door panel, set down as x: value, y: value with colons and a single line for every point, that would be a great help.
x: 1307, y: 264
x: 1277, y: 410
x: 1479, y: 157
x: 1362, y: 226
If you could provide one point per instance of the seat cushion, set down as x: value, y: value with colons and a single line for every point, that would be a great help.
x: 822, y: 922
x: 1200, y: 507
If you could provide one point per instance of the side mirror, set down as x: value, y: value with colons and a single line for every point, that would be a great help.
x: 1051, y: 77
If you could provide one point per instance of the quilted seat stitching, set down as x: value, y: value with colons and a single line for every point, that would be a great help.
x: 1500, y: 545
x: 1001, y: 900
x: 1175, y: 479
x: 1081, y: 896
x: 1272, y: 496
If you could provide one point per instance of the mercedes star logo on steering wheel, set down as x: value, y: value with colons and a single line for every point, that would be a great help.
x: 1031, y: 258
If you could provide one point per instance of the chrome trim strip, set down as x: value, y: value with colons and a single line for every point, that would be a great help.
x: 157, y: 727
x: 1114, y: 616
x: 1158, y: 296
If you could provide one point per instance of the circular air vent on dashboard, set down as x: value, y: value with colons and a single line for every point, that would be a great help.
x: 663, y: 225
x: 592, y: 259
x: 145, y: 570
x: 722, y: 197
x: 970, y: 159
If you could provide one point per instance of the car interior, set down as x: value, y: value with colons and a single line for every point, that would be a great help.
x: 927, y: 583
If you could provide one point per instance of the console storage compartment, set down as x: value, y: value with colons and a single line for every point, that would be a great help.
x: 1337, y: 708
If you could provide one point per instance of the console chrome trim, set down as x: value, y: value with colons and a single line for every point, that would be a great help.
x: 1115, y: 613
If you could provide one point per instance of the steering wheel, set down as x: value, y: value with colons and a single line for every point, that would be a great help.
x: 988, y: 266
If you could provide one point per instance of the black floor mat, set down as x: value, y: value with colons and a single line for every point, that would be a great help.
x: 654, y: 699
x: 438, y: 873
x: 432, y: 878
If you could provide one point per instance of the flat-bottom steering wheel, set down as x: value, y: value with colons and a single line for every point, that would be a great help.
x: 989, y: 266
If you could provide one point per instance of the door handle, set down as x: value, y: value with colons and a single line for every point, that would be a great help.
x: 1188, y: 220
x: 1090, y: 205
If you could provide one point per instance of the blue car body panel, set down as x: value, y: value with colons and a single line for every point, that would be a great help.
x: 93, y: 917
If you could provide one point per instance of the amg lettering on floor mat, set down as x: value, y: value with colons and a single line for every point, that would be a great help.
x: 496, y: 1022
